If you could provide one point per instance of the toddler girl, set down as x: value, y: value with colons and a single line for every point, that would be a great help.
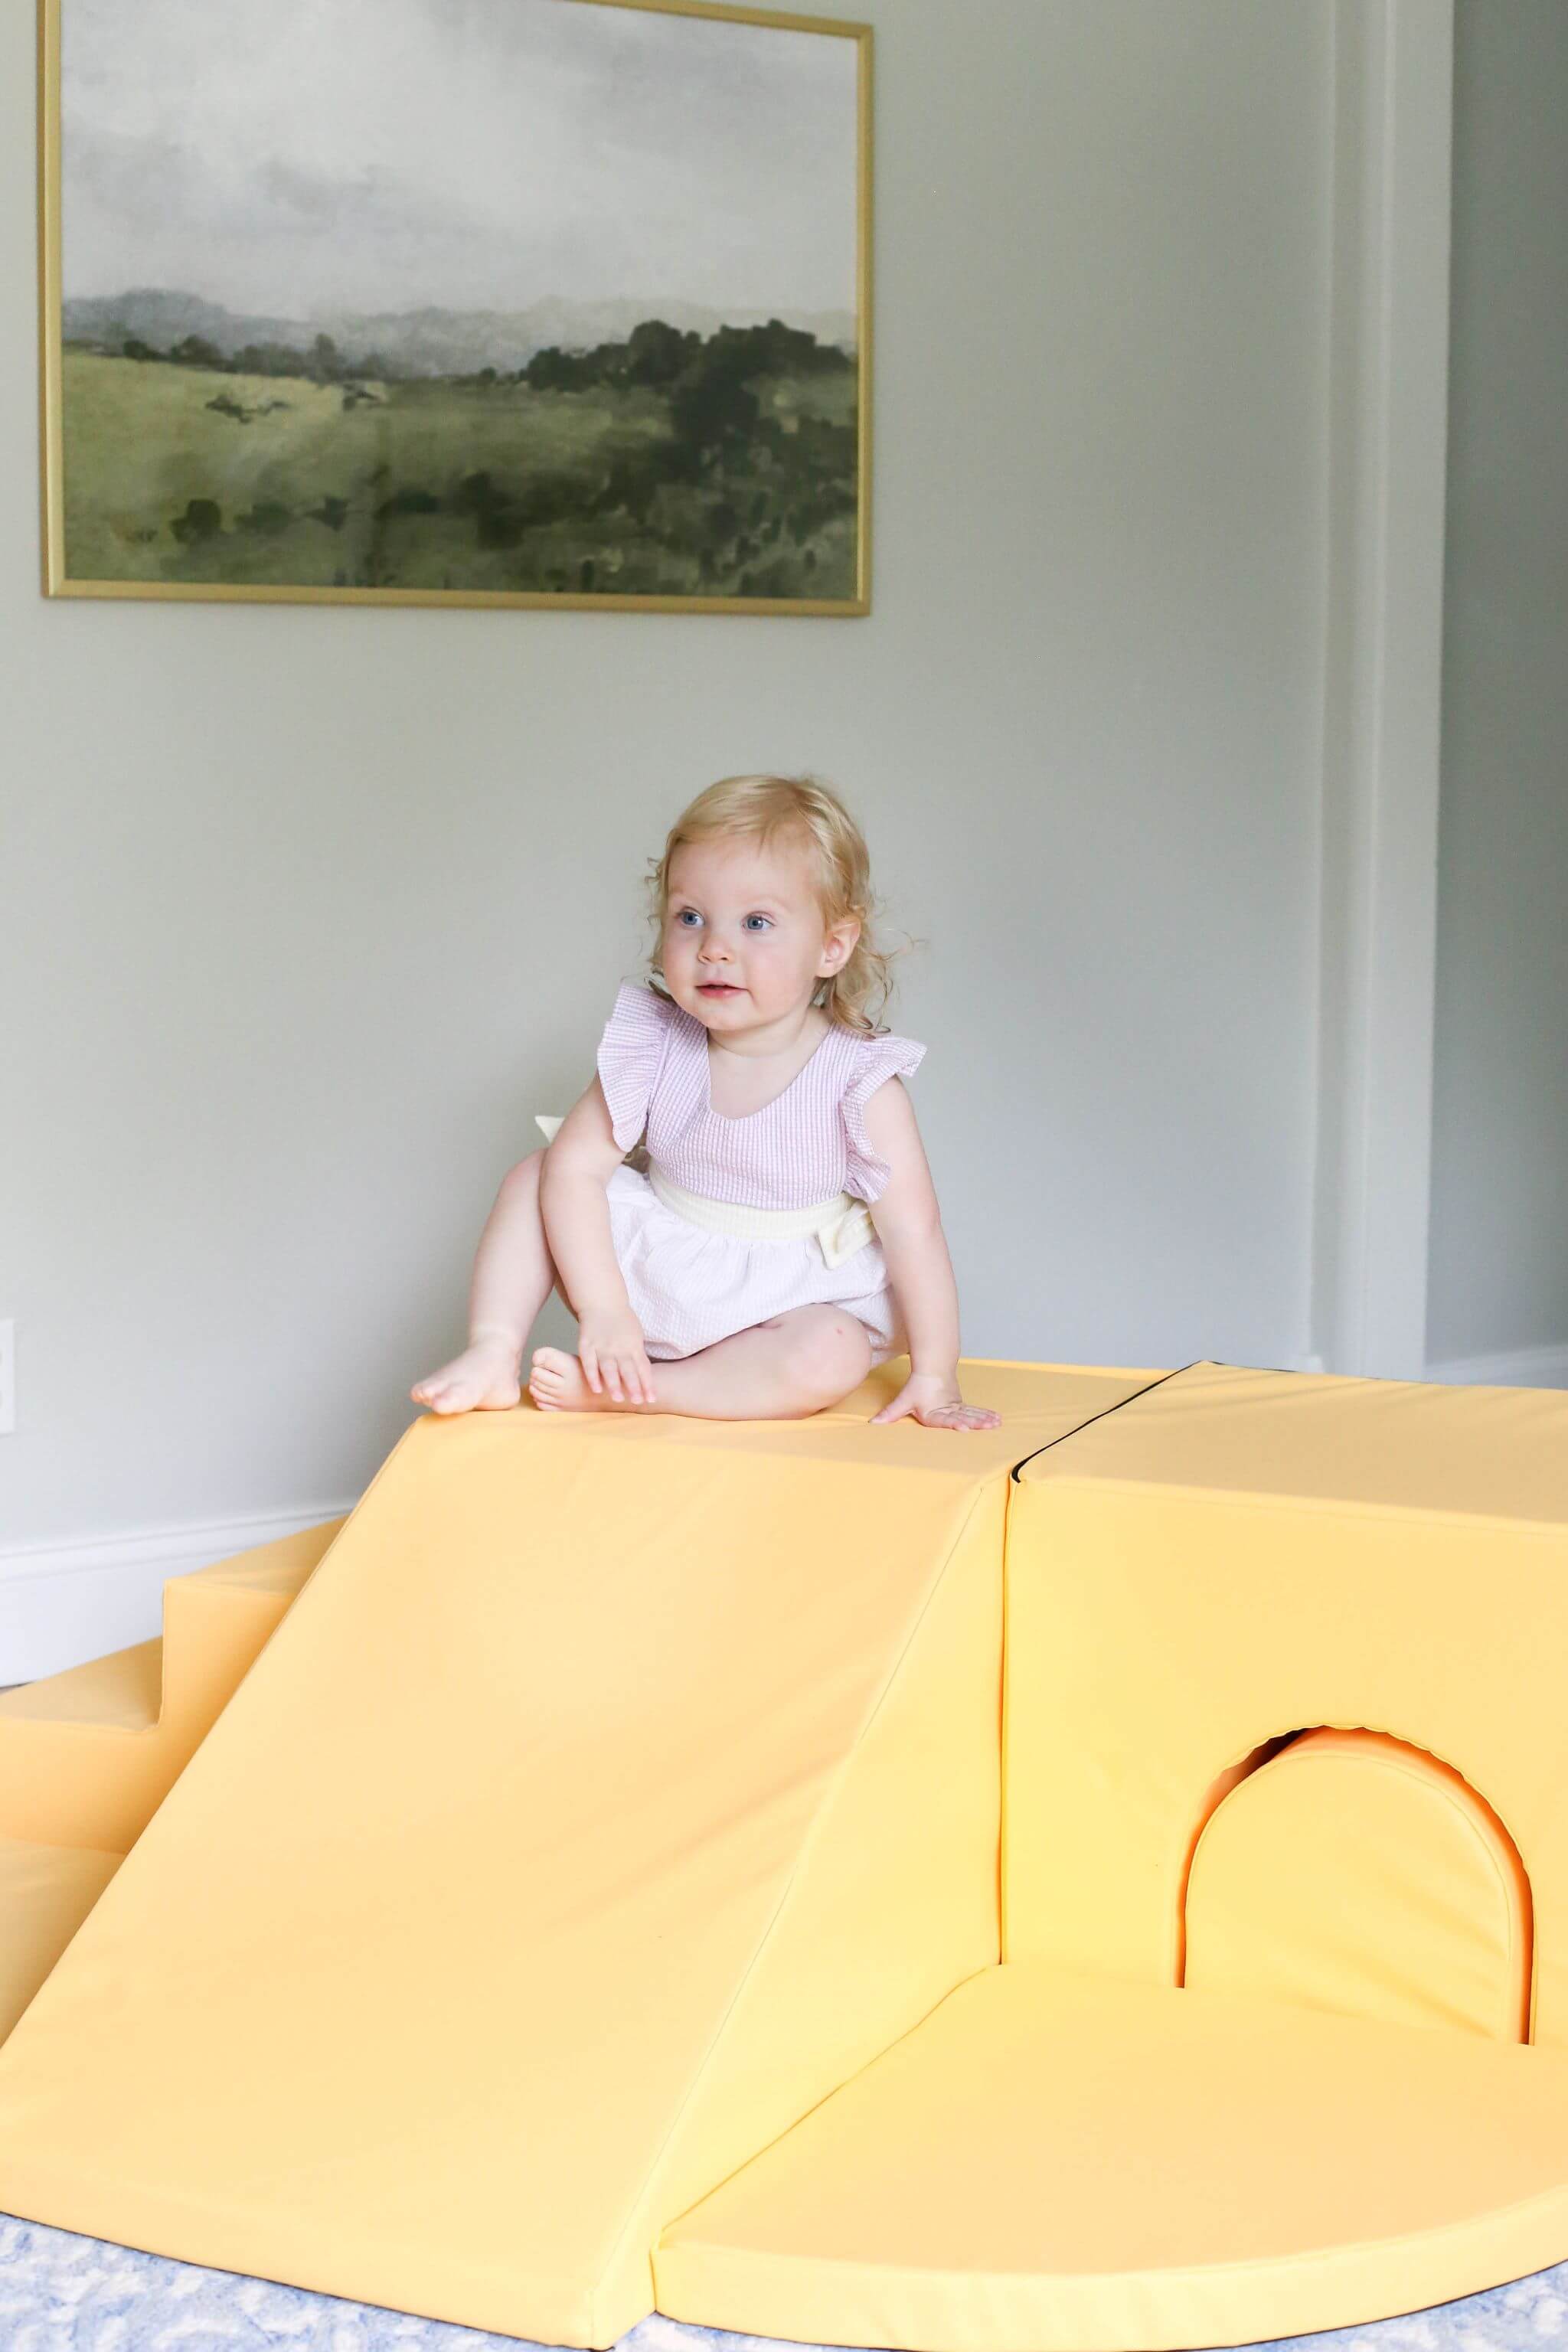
x: 782, y: 1234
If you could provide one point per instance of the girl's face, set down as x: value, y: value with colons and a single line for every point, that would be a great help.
x: 744, y: 940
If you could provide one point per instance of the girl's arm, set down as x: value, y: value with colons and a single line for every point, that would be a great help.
x: 578, y: 1166
x: 909, y: 1226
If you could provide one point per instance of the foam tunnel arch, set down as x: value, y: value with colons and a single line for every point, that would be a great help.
x: 1354, y: 1872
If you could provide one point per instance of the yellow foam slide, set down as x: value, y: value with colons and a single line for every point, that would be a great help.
x: 614, y: 1788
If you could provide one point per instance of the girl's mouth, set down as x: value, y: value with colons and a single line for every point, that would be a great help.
x: 718, y: 988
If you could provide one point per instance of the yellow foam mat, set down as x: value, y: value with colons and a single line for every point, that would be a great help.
x: 1239, y: 1555
x: 1356, y: 1873
x: 614, y: 1790
x: 1082, y: 2166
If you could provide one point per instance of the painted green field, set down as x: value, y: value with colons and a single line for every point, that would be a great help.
x: 181, y: 474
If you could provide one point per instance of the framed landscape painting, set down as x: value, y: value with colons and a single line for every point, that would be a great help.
x: 522, y: 302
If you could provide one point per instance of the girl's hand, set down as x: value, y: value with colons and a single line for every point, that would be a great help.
x: 936, y: 1401
x: 611, y: 1352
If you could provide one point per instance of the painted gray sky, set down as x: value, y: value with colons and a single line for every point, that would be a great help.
x: 285, y: 155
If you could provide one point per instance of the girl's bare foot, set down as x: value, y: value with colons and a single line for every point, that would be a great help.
x: 483, y: 1378
x: 557, y: 1384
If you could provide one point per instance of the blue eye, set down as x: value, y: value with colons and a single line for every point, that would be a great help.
x: 759, y: 918
x: 684, y: 912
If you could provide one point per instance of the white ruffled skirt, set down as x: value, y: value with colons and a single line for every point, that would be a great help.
x: 692, y: 1283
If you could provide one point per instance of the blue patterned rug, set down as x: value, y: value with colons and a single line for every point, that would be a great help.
x: 59, y: 2293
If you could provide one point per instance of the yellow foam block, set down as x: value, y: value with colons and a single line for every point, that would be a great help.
x: 1353, y: 1872
x: 1088, y: 2166
x: 616, y: 1788
x: 1237, y: 1555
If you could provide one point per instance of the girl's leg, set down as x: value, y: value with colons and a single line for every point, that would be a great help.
x: 795, y: 1363
x: 513, y: 1276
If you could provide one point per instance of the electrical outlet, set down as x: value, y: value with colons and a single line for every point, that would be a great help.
x: 7, y: 1378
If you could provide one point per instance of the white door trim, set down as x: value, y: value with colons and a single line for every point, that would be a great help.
x: 1387, y: 448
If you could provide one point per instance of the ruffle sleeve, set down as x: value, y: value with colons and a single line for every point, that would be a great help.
x: 630, y: 1055
x: 880, y: 1058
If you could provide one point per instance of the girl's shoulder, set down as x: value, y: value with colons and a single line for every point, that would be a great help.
x: 631, y: 1055
x: 867, y: 1057
x: 639, y: 1007
x: 644, y: 1022
x: 870, y: 1061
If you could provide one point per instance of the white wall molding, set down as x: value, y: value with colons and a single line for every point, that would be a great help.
x: 1387, y: 434
x: 61, y: 1604
x: 1517, y: 1368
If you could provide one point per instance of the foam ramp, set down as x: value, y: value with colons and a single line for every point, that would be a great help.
x: 614, y: 1790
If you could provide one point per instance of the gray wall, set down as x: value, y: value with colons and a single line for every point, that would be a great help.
x: 308, y: 910
x: 1500, y: 1165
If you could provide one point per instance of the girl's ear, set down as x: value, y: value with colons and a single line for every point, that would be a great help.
x: 840, y: 941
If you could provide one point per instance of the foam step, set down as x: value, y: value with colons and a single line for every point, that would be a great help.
x: 87, y: 1756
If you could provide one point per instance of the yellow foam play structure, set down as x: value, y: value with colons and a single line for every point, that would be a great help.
x: 1090, y: 1885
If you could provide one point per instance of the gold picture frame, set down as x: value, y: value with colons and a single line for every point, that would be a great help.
x: 655, y: 497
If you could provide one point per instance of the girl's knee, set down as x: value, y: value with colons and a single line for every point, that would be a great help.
x: 829, y: 1352
x: 525, y: 1177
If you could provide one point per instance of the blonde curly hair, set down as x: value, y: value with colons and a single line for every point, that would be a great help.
x: 802, y: 810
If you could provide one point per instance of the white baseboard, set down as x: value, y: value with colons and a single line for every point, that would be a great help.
x: 62, y: 1603
x: 1519, y: 1367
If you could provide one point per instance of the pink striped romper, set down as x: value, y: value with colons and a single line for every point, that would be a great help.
x: 738, y: 1219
